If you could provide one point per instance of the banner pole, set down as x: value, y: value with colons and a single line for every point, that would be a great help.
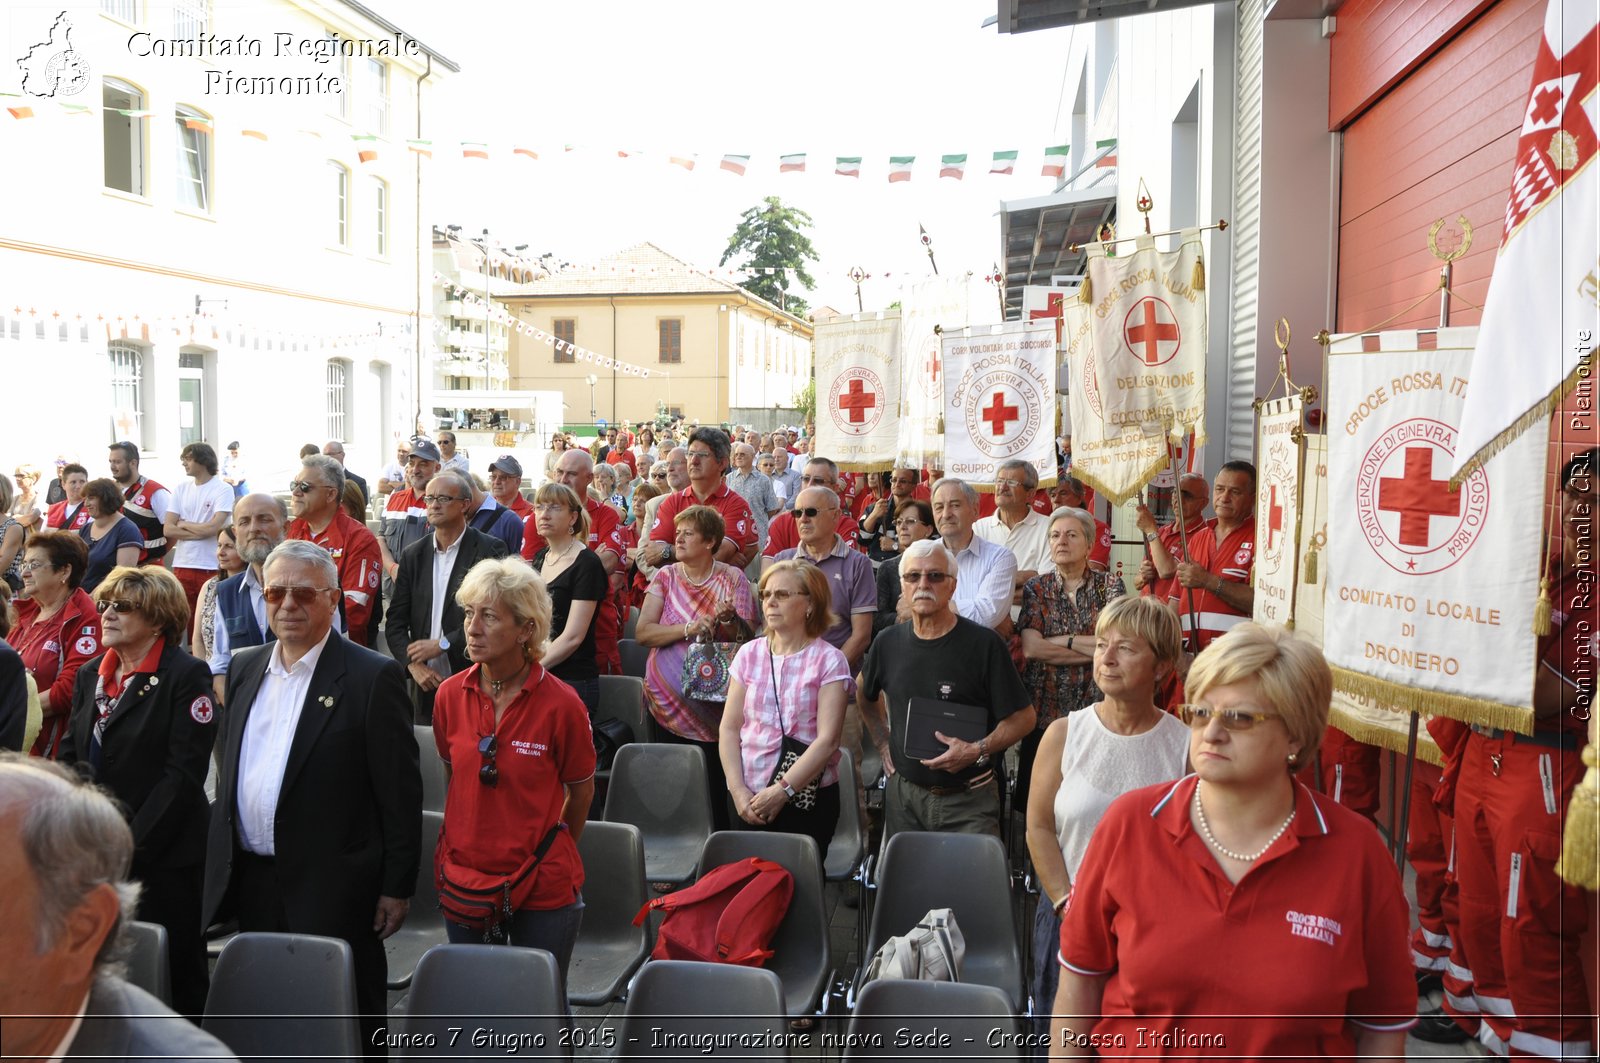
x: 1183, y: 534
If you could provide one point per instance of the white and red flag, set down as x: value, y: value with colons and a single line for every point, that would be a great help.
x: 1000, y: 399
x: 1536, y: 340
x: 858, y: 389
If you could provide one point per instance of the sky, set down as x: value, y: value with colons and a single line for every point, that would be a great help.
x: 826, y: 77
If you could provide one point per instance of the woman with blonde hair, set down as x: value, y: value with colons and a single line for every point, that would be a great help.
x: 507, y: 811
x: 576, y: 580
x: 1239, y: 861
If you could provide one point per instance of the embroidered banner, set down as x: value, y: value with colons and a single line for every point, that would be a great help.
x: 1116, y: 466
x: 1000, y: 399
x: 1150, y: 336
x: 858, y: 389
x: 1280, y: 436
x: 946, y: 302
x: 1431, y: 591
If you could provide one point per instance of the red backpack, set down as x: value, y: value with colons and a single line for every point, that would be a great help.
x: 729, y: 916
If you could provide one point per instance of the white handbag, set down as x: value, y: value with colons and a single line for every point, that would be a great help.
x: 931, y: 951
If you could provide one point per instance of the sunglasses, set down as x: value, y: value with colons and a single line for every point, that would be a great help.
x: 808, y: 511
x: 301, y: 595
x: 488, y: 774
x: 658, y: 476
x: 1198, y: 716
x: 300, y: 487
x: 782, y: 596
x: 930, y: 578
x: 121, y: 605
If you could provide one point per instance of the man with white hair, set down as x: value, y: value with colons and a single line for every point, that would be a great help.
x: 65, y: 901
x: 946, y: 657
x: 785, y: 475
x: 755, y: 487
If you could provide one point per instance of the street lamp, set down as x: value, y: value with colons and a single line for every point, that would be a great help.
x: 592, y: 380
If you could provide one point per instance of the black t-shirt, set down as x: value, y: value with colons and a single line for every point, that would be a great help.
x: 969, y: 665
x: 584, y: 580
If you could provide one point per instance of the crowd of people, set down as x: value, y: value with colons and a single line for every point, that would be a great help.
x: 789, y: 610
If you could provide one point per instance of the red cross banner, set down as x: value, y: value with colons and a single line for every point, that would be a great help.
x: 1117, y: 466
x: 927, y: 305
x: 1280, y: 461
x: 858, y: 389
x: 1000, y: 399
x: 1430, y: 590
x: 1536, y: 340
x: 1149, y: 312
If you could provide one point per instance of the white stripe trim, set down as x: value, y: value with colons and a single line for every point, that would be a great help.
x: 1062, y: 960
x: 1464, y: 1005
x: 1548, y: 1046
x: 1424, y: 962
x: 1457, y: 971
x: 1500, y: 1006
x: 1386, y: 1027
x: 1214, y: 621
x: 1513, y: 885
x: 1490, y: 1040
x: 1338, y: 784
x: 1168, y: 796
x: 1438, y: 941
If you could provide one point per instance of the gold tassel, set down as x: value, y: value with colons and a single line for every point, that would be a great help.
x: 1198, y: 281
x: 1580, y: 862
x: 1309, y: 567
x: 1084, y: 295
x: 940, y: 428
x: 1542, y: 610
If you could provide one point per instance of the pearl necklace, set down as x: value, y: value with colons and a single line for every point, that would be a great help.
x: 1205, y: 829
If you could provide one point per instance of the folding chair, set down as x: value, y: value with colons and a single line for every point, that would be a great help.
x: 610, y: 948
x: 284, y: 996
x: 976, y: 1020
x: 513, y: 991
x: 424, y: 926
x: 661, y: 789
x: 674, y: 1004
x: 148, y: 964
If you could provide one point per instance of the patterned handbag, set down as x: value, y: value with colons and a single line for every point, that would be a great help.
x: 790, y: 750
x: 706, y: 668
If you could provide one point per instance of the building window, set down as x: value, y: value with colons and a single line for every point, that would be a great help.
x: 565, y: 328
x: 190, y: 18
x: 127, y: 390
x: 126, y: 10
x: 341, y: 204
x: 338, y: 398
x: 124, y: 136
x: 341, y: 99
x: 375, y: 96
x: 380, y: 217
x: 671, y: 344
x: 194, y: 159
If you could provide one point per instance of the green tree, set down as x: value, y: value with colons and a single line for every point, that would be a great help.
x: 805, y: 400
x: 773, y: 236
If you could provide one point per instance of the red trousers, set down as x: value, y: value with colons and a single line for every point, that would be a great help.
x: 1350, y: 772
x: 1515, y: 976
x: 1430, y: 838
x: 193, y: 579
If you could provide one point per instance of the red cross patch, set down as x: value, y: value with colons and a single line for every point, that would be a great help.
x: 201, y: 710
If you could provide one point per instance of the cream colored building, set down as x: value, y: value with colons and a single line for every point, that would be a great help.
x: 194, y: 247
x: 707, y: 344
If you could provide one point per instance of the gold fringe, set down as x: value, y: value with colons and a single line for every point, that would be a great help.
x: 1543, y: 609
x: 865, y: 466
x: 1084, y: 295
x: 1542, y: 410
x: 1432, y: 702
x: 1308, y: 566
x: 1141, y: 478
x: 939, y: 429
x: 1375, y: 734
x: 1580, y: 853
x: 1198, y: 281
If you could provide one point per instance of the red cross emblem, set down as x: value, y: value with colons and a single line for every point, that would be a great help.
x: 856, y: 401
x: 1151, y: 331
x: 1274, y: 518
x: 933, y: 368
x: 1558, y: 139
x: 1052, y: 308
x: 998, y: 414
x: 1417, y: 496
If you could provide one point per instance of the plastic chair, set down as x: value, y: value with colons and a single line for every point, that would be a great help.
x: 148, y: 965
x: 610, y: 948
x: 922, y: 870
x: 635, y: 658
x: 622, y: 698
x: 661, y: 789
x: 977, y: 1020
x: 674, y: 1004
x: 513, y: 991
x: 424, y: 926
x: 284, y: 997
x: 434, y: 781
x: 801, y: 957
x: 849, y: 843
x: 629, y: 625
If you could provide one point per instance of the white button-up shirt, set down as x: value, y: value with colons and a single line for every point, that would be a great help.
x: 221, y: 650
x: 268, y: 733
x: 1028, y: 539
x: 985, y: 573
x: 444, y: 562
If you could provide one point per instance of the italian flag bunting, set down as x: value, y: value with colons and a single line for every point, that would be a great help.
x: 1109, y: 159
x: 953, y: 166
x: 256, y: 133
x: 792, y: 163
x: 74, y: 108
x: 1004, y: 162
x: 421, y: 147
x: 472, y: 149
x: 900, y: 167
x: 1055, y: 160
x: 847, y: 165
x: 686, y: 161
x: 526, y: 152
x: 20, y: 112
x: 369, y: 151
x: 735, y: 163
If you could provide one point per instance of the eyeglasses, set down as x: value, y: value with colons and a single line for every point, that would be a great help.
x: 550, y: 507
x: 909, y: 522
x: 121, y: 605
x: 701, y: 455
x: 931, y: 578
x: 816, y: 481
x: 301, y: 595
x: 439, y: 500
x: 1190, y: 496
x: 1013, y: 484
x: 1198, y: 716
x: 34, y: 566
x: 488, y: 774
x: 808, y: 511
x: 782, y: 596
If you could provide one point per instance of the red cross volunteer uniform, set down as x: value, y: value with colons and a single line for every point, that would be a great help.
x: 1230, y: 560
x: 355, y: 554
x: 739, y: 524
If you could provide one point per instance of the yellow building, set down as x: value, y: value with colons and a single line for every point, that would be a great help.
x: 714, y: 351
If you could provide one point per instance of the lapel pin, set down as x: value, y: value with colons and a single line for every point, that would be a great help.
x: 327, y: 701
x: 155, y: 680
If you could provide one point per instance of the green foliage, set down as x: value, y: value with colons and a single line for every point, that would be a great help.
x: 805, y: 400
x: 772, y: 236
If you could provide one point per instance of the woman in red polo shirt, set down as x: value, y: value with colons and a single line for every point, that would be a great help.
x: 520, y: 762
x: 1238, y: 862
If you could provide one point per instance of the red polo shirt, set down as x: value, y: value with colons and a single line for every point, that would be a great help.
x: 1041, y: 504
x: 1231, y: 560
x: 1164, y: 589
x: 783, y: 535
x: 542, y: 743
x: 355, y: 554
x: 621, y: 455
x: 519, y: 505
x: 740, y: 524
x: 1314, y: 934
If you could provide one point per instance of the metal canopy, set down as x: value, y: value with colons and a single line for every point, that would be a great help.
x: 1035, y: 235
x: 1022, y: 16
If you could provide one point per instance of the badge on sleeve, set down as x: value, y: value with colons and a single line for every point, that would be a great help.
x: 86, y: 645
x: 201, y: 710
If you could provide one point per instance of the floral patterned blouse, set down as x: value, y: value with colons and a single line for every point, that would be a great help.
x: 1047, y: 608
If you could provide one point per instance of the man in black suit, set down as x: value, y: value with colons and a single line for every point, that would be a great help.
x: 335, y: 450
x: 317, y: 827
x: 65, y: 899
x: 425, y: 630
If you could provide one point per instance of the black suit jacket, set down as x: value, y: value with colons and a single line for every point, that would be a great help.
x: 411, y: 605
x: 366, y: 496
x: 13, y: 698
x: 348, y: 827
x: 155, y: 752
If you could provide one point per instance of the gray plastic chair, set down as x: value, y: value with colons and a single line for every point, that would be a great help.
x: 622, y: 698
x: 977, y: 1018
x: 635, y: 658
x: 433, y: 777
x: 148, y: 964
x: 673, y: 1000
x: 849, y: 844
x: 923, y: 870
x: 513, y: 991
x: 629, y: 625
x: 661, y: 789
x: 801, y: 957
x: 424, y: 926
x: 610, y: 948
x: 284, y: 997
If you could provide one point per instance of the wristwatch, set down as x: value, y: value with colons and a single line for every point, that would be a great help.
x: 983, y: 753
x: 784, y: 782
x: 1150, y: 537
x: 444, y: 643
x: 667, y: 551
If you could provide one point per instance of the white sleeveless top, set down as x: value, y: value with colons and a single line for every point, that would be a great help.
x: 1098, y: 766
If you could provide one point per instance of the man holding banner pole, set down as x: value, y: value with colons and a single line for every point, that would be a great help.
x: 1218, y: 572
